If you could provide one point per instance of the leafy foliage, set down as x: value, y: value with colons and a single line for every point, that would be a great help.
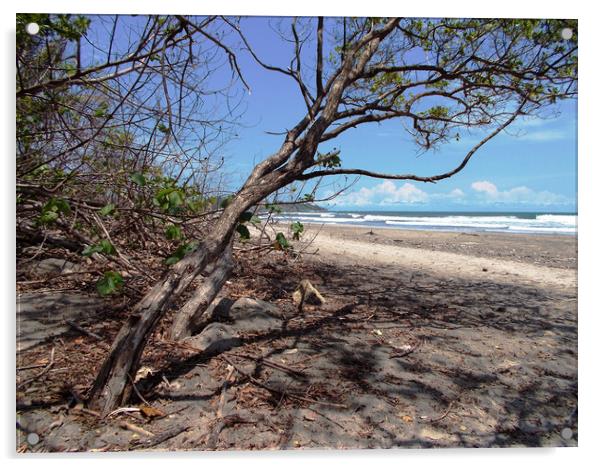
x: 180, y: 252
x: 108, y: 210
x: 104, y: 246
x: 243, y: 231
x: 329, y: 160
x: 173, y: 232
x: 297, y: 228
x: 281, y: 243
x: 138, y: 179
x: 52, y: 209
x: 110, y: 283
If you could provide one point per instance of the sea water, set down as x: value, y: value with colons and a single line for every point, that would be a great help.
x: 516, y: 222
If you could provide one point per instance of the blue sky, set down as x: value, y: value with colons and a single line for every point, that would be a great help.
x: 532, y: 167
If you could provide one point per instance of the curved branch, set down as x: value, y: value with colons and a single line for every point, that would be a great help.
x: 417, y: 178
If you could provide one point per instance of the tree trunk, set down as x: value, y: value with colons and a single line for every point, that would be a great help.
x: 112, y: 386
x: 191, y: 318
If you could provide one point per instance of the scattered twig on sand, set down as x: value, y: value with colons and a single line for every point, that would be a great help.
x: 221, y: 421
x: 406, y: 352
x: 137, y: 392
x: 222, y: 398
x: 279, y: 391
x: 173, y: 412
x: 440, y: 417
x: 41, y: 373
x: 162, y: 437
x: 327, y: 418
x: 82, y: 330
x: 135, y: 429
x: 123, y: 410
x: 271, y: 364
x: 311, y: 357
x: 86, y: 411
x: 31, y: 367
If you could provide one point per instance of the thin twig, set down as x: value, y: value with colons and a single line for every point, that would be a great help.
x: 41, y: 373
x: 82, y: 330
x: 279, y: 391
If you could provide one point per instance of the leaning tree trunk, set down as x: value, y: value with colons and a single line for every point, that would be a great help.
x: 192, y: 317
x: 113, y: 384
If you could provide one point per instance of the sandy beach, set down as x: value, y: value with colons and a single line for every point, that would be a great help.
x: 548, y: 260
x: 426, y: 339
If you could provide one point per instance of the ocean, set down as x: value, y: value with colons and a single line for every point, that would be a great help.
x: 516, y: 222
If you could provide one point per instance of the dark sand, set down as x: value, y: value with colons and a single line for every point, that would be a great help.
x: 427, y: 339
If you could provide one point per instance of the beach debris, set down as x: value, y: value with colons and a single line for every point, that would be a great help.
x: 144, y: 372
x: 151, y: 412
x: 307, y: 293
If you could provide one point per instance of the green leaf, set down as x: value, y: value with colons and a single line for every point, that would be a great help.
x: 107, y: 247
x: 243, y: 231
x: 107, y: 210
x: 180, y: 252
x: 110, y: 283
x: 48, y: 217
x: 281, y: 242
x: 330, y: 160
x: 274, y: 208
x: 175, y: 199
x: 104, y: 246
x: 52, y: 209
x: 226, y: 202
x: 57, y: 205
x: 248, y: 216
x: 297, y: 228
x: 173, y: 232
x: 138, y: 179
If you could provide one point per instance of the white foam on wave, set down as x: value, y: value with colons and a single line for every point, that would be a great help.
x: 558, y: 219
x: 543, y: 223
x: 544, y: 229
x: 318, y: 220
x: 474, y: 225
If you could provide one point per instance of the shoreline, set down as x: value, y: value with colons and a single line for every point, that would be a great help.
x: 531, y: 223
x: 543, y: 261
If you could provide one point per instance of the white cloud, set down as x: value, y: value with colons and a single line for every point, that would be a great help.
x: 485, y: 187
x: 384, y: 194
x: 543, y: 135
x: 519, y: 194
x: 456, y: 193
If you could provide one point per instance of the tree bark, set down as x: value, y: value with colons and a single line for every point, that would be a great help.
x: 113, y: 384
x: 191, y: 318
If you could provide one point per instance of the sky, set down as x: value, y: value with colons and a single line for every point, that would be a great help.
x: 531, y: 167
